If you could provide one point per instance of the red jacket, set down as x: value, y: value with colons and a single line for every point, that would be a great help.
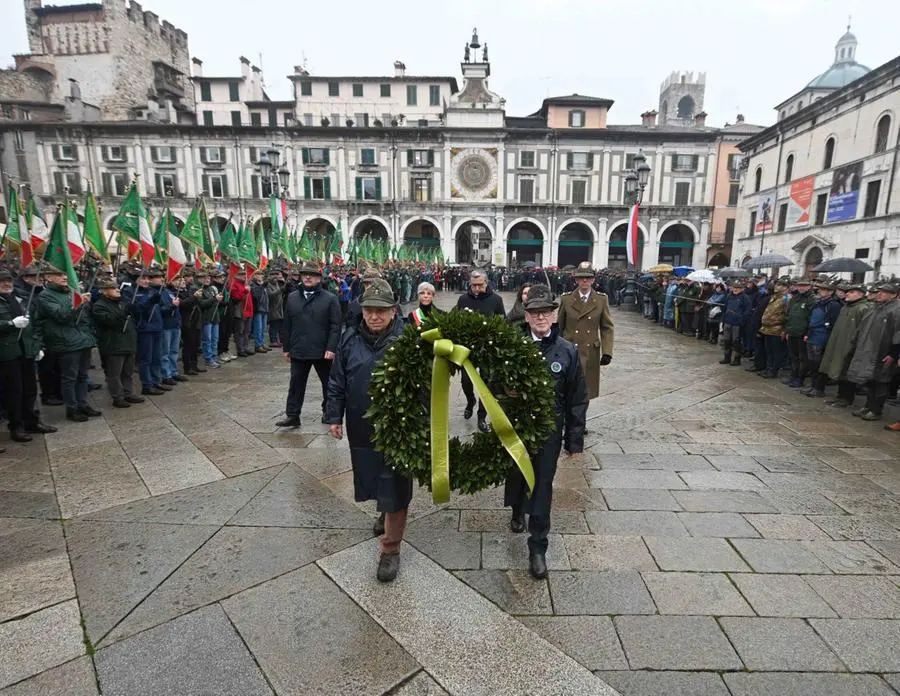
x: 241, y: 293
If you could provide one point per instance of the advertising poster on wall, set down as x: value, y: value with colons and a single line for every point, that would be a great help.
x: 844, y: 198
x: 765, y: 211
x: 800, y: 201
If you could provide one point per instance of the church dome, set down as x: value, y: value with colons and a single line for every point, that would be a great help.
x: 845, y: 69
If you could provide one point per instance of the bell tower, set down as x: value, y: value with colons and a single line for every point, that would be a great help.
x: 681, y: 98
x: 476, y: 105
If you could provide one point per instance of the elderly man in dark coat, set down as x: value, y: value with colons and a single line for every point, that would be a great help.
x: 842, y: 344
x: 877, y: 351
x: 564, y: 366
x: 584, y: 319
x: 361, y: 347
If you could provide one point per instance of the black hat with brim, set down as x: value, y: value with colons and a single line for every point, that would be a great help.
x: 310, y: 269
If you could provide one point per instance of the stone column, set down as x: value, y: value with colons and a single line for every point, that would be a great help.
x: 657, y: 180
x: 446, y: 173
x: 604, y: 177
x: 651, y: 248
x: 341, y: 173
x: 447, y: 243
x: 499, y: 243
x: 600, y: 257
x: 501, y: 172
x: 699, y: 256
x: 46, y: 185
x: 190, y: 172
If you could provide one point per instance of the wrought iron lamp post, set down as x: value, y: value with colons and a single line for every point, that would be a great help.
x: 635, y: 182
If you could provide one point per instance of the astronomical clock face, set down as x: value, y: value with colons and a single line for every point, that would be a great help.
x: 474, y: 173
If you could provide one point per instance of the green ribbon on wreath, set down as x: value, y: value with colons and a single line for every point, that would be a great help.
x: 446, y: 352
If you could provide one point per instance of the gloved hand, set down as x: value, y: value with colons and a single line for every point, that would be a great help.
x: 39, y: 356
x: 20, y: 322
x: 606, y: 360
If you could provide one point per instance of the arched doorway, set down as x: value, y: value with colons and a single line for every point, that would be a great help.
x: 422, y: 233
x: 618, y: 254
x: 720, y: 260
x: 370, y: 228
x: 676, y: 245
x: 575, y: 244
x: 525, y: 242
x: 473, y: 243
x: 813, y: 259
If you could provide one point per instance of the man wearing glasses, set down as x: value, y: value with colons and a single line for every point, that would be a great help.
x: 483, y: 300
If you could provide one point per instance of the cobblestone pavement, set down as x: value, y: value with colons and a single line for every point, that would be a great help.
x: 721, y: 535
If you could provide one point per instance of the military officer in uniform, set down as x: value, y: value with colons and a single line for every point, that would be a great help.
x: 584, y: 319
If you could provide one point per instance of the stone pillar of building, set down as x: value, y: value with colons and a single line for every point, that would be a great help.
x: 190, y: 173
x: 448, y: 245
x: 699, y: 256
x: 498, y: 244
x: 604, y: 178
x: 553, y: 243
x: 501, y: 172
x: 656, y: 182
x: 601, y: 248
x: 139, y: 168
x: 46, y: 185
x: 446, y: 173
x: 341, y: 173
x: 651, y: 247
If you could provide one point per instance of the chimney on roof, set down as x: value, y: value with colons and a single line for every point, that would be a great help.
x: 399, y: 69
x: 197, y: 67
x: 245, y: 68
x: 648, y: 119
x: 74, y: 89
x: 740, y: 118
x: 700, y: 120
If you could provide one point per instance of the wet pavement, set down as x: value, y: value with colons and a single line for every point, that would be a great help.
x: 720, y: 535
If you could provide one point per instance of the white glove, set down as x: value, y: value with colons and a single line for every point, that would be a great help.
x: 39, y: 356
x: 20, y: 322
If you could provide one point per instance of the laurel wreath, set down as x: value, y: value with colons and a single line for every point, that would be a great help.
x: 513, y: 368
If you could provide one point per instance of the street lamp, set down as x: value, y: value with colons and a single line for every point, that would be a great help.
x: 636, y: 181
x: 277, y: 177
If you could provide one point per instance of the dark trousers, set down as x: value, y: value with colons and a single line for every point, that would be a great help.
x: 49, y: 376
x: 774, y: 354
x: 797, y: 351
x: 846, y: 391
x: 299, y: 376
x: 225, y: 327
x: 878, y: 394
x: 119, y: 371
x: 275, y: 330
x: 73, y: 367
x: 150, y: 349
x: 241, y: 329
x: 19, y: 392
x: 190, y: 347
x: 469, y: 390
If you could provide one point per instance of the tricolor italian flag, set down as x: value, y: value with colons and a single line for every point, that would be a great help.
x: 631, y: 243
x: 133, y: 223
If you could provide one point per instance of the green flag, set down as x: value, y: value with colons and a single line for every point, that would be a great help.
x: 337, y: 241
x: 247, y: 246
x: 161, y: 240
x: 192, y: 232
x: 228, y: 243
x: 93, y: 232
x: 209, y: 250
x: 57, y: 253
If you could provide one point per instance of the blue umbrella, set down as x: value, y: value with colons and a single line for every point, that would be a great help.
x: 682, y: 271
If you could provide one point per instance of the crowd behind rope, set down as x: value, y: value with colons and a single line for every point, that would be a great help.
x: 816, y: 333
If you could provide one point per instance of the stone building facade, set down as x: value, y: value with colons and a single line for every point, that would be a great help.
x: 823, y: 181
x: 116, y: 51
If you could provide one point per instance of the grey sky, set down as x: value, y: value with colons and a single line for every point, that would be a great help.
x: 755, y: 52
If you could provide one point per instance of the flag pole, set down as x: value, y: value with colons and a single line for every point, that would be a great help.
x: 40, y: 269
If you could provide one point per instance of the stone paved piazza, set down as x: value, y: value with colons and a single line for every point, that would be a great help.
x: 721, y: 535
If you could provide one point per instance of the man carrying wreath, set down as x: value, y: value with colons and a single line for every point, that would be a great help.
x: 564, y: 366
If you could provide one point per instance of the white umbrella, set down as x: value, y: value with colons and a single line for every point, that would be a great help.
x: 702, y: 276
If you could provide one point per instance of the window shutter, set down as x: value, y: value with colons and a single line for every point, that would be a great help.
x: 359, y: 188
x: 104, y: 153
x: 224, y: 185
x: 106, y: 184
x: 674, y: 162
x: 409, y: 157
x: 431, y: 158
x: 696, y: 162
x: 154, y: 153
x: 159, y: 185
x: 590, y: 160
x: 378, y: 188
x: 307, y: 186
x: 204, y: 183
x: 327, y: 160
x: 305, y: 153
x: 55, y: 150
x: 569, y: 159
x: 254, y: 186
x: 253, y: 155
x: 75, y: 152
x: 222, y: 155
x: 58, y: 180
x: 327, y: 187
x: 124, y: 151
x: 203, y: 156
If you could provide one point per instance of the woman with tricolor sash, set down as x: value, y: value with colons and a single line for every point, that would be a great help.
x: 426, y: 306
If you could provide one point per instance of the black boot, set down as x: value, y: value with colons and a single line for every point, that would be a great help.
x: 40, y: 428
x: 19, y: 435
x: 517, y: 522
x: 73, y: 414
x: 537, y: 565
x: 90, y: 411
x: 467, y: 413
x: 289, y: 422
x: 726, y: 359
x: 482, y: 424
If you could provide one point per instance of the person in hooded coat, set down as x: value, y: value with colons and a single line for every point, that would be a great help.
x: 361, y: 347
x: 564, y: 365
x: 842, y: 344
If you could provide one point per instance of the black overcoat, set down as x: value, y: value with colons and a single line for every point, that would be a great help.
x: 564, y: 365
x: 311, y: 325
x: 348, y: 398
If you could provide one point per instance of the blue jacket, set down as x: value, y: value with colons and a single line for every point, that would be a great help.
x: 717, y: 299
x: 171, y: 315
x: 669, y: 305
x: 821, y: 321
x: 737, y: 309
x: 147, y: 303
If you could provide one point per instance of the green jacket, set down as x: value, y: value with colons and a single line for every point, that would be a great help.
x: 114, y: 327
x: 842, y: 341
x: 14, y: 343
x: 62, y: 327
x: 208, y: 305
x: 798, y: 310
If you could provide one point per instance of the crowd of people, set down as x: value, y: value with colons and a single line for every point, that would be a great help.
x: 816, y: 333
